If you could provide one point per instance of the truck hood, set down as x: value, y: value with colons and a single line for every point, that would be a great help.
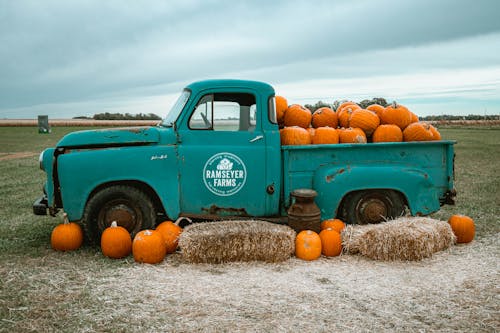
x: 111, y: 137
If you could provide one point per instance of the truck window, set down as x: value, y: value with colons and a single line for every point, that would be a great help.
x: 225, y: 112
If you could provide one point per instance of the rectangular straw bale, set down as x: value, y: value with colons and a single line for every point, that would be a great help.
x: 228, y: 241
x: 406, y: 238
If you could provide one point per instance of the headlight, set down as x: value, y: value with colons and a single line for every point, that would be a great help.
x: 40, y: 160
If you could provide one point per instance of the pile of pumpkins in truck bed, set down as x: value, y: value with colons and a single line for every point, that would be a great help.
x: 350, y: 124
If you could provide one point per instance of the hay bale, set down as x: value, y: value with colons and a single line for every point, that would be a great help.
x: 406, y: 238
x: 227, y: 241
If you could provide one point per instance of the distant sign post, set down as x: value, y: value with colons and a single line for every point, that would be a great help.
x: 43, y: 124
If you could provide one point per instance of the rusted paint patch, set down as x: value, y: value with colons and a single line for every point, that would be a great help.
x: 330, y: 178
x: 216, y: 210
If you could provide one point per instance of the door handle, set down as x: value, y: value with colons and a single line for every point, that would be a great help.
x: 257, y: 138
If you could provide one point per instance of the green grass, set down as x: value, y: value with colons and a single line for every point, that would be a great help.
x: 39, y: 285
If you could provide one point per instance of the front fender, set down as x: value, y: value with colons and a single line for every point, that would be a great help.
x: 333, y: 183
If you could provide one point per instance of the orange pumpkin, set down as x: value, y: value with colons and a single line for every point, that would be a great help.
x: 387, y: 133
x: 345, y: 115
x: 331, y: 242
x: 463, y: 227
x: 307, y: 245
x: 170, y: 232
x: 378, y: 109
x: 297, y: 115
x: 396, y: 114
x: 294, y: 136
x: 324, y: 117
x: 364, y: 119
x: 345, y: 104
x: 281, y: 106
x: 149, y: 247
x: 116, y: 242
x: 417, y: 132
x: 352, y: 135
x: 67, y: 236
x: 334, y: 224
x: 325, y: 135
x: 414, y: 118
x: 435, y: 133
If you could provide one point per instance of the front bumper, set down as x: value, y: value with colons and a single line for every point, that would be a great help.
x: 40, y: 206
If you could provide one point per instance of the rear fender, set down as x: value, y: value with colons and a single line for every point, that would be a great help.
x: 333, y: 183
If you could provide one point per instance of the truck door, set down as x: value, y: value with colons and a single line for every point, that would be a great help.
x: 222, y: 156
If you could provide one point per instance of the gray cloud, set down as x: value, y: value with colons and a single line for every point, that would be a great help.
x: 57, y: 51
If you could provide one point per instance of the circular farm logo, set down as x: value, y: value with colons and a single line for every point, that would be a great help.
x: 224, y: 174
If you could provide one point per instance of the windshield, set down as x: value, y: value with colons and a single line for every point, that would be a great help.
x: 176, y: 109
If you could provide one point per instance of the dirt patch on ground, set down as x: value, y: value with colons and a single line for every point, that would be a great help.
x: 455, y: 290
x: 13, y: 156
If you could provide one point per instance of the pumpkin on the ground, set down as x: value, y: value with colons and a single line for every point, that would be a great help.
x: 297, y: 115
x: 331, y: 242
x: 335, y: 224
x: 387, y: 133
x: 116, y: 242
x: 463, y: 227
x: 294, y: 136
x: 307, y: 245
x: 417, y: 132
x: 324, y: 117
x: 367, y: 120
x: 396, y: 114
x: 170, y: 232
x: 149, y: 247
x: 325, y: 135
x: 67, y: 236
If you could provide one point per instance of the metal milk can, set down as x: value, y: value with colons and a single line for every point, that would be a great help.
x: 304, y: 214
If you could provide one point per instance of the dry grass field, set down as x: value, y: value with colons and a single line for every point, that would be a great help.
x: 46, y: 291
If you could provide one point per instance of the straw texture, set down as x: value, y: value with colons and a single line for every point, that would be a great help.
x: 228, y: 241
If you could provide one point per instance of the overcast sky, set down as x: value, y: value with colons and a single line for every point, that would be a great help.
x: 71, y: 58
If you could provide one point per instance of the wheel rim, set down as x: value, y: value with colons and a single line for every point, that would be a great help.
x: 373, y: 209
x: 124, y: 212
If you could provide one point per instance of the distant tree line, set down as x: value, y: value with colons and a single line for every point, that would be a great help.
x: 121, y: 116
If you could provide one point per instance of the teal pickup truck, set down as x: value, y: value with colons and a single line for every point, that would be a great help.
x: 217, y: 155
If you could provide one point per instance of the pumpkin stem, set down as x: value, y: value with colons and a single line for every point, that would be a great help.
x: 114, y: 224
x: 181, y: 218
x: 65, y: 218
x: 148, y: 232
x: 394, y: 104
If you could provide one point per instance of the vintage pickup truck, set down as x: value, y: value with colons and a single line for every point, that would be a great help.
x: 217, y: 154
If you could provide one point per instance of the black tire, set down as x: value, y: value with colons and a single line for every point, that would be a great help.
x: 128, y: 206
x: 374, y: 206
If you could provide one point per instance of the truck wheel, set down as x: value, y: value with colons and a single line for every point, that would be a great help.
x: 363, y: 207
x: 128, y: 206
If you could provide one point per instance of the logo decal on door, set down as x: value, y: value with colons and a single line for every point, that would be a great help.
x: 224, y: 174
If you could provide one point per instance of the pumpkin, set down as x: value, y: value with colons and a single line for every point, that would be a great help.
x: 352, y: 135
x: 324, y: 117
x: 367, y: 120
x: 413, y: 117
x: 149, y: 247
x: 307, y: 245
x: 325, y: 135
x: 334, y: 224
x: 297, y: 115
x: 67, y: 236
x: 293, y: 136
x: 435, y: 133
x: 378, y: 109
x: 170, y: 232
x: 387, y: 133
x: 417, y: 132
x: 345, y: 115
x: 331, y: 242
x: 116, y: 242
x: 281, y: 106
x: 463, y: 227
x: 346, y: 104
x: 396, y: 114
